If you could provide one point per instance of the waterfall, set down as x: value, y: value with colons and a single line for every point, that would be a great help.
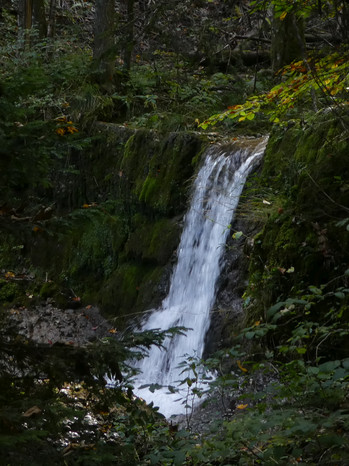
x: 216, y: 194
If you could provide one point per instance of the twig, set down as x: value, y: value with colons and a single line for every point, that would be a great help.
x: 325, y: 194
x: 258, y: 39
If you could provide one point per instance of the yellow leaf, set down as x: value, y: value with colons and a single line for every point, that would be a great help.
x: 9, y: 275
x: 242, y: 118
x: 60, y: 131
x: 241, y: 406
x: 241, y: 367
x: 283, y: 15
x: 257, y: 323
x: 72, y: 129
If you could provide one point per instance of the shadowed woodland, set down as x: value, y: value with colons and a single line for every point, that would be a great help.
x: 105, y: 111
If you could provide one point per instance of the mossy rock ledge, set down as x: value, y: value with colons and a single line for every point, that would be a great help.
x: 304, y: 241
x: 116, y: 221
x: 155, y: 173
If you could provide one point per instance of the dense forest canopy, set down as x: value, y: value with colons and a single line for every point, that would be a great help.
x: 103, y: 112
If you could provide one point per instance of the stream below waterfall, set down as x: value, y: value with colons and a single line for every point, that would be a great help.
x: 191, y: 296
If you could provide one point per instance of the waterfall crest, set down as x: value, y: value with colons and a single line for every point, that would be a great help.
x: 216, y: 194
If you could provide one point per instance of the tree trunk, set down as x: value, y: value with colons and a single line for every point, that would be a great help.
x: 25, y: 11
x: 28, y: 14
x: 129, y: 36
x: 39, y: 17
x: 342, y: 14
x: 52, y: 19
x: 104, y: 45
x: 31, y: 13
x: 25, y: 15
x: 288, y: 43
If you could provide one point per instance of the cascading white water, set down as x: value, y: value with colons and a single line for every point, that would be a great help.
x: 217, y: 190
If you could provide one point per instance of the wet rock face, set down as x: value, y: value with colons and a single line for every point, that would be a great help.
x: 46, y: 324
x: 228, y: 315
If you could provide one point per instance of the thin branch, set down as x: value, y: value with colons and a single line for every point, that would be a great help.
x: 258, y: 39
x: 325, y: 194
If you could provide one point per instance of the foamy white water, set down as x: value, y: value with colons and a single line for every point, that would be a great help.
x: 216, y: 194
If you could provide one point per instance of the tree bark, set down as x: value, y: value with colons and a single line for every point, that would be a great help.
x: 31, y: 13
x: 104, y: 44
x: 25, y: 11
x: 288, y: 43
x: 342, y: 13
x: 25, y: 15
x: 39, y: 17
x: 28, y: 14
x: 52, y: 19
x: 129, y: 36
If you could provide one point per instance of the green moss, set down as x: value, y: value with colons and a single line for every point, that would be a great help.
x: 96, y: 240
x: 121, y: 290
x: 150, y: 186
x: 11, y: 249
x: 148, y: 291
x: 48, y: 290
x: 153, y: 241
x: 306, y: 164
x: 158, y: 169
x: 164, y: 239
x: 100, y: 168
x: 8, y: 291
x: 286, y: 254
x: 136, y: 186
x: 15, y: 293
x: 303, y: 244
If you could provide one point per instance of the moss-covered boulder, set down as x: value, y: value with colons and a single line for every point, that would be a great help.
x: 107, y: 228
x: 129, y: 291
x: 158, y: 169
x: 116, y: 221
x: 304, y: 240
x: 153, y: 242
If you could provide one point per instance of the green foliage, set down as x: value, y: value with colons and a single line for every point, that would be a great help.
x: 283, y: 386
x: 150, y: 93
x: 99, y: 239
x: 300, y: 8
x: 8, y: 291
x: 290, y: 393
x: 8, y: 248
x: 157, y: 169
x: 55, y: 406
x: 39, y: 86
x: 325, y: 76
